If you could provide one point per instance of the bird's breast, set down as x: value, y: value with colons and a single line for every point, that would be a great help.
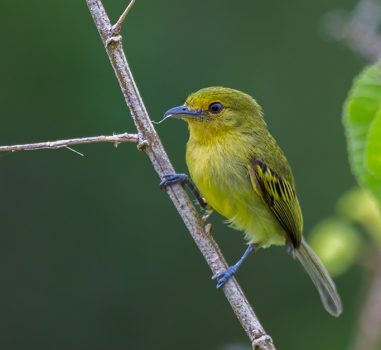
x: 220, y: 175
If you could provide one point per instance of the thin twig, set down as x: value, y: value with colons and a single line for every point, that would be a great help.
x: 116, y: 139
x: 357, y: 30
x: 160, y: 161
x: 118, y: 25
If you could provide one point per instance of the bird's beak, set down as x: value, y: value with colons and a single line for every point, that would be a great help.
x: 181, y: 112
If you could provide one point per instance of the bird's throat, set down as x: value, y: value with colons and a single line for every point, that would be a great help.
x: 209, y: 133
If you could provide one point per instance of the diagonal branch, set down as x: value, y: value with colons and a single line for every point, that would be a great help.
x: 115, y: 139
x: 156, y: 153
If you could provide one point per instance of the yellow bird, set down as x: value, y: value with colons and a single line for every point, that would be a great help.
x: 243, y: 174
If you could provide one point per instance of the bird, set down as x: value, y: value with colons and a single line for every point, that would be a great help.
x: 237, y: 169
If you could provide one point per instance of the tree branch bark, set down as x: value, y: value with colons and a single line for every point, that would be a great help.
x: 160, y: 161
x: 115, y: 139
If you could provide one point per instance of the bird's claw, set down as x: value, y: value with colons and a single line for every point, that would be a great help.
x: 171, y: 179
x: 224, y: 276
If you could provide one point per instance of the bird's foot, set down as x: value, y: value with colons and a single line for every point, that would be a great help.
x: 224, y: 276
x: 184, y: 179
x: 174, y: 178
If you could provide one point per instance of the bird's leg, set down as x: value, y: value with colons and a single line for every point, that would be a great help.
x: 224, y: 276
x: 184, y: 179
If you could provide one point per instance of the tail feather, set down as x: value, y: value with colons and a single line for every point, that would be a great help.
x: 321, y: 279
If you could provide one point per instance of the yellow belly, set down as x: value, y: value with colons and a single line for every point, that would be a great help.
x: 224, y: 182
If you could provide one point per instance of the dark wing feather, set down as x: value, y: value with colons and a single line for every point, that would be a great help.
x: 279, y: 195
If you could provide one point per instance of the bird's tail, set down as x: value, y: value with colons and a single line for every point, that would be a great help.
x: 321, y: 279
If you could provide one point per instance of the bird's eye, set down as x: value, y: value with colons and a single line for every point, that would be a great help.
x: 216, y: 107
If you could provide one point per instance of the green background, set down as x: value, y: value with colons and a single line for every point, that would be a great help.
x: 92, y: 254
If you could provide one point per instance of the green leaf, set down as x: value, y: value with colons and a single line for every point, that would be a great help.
x: 362, y: 122
x: 374, y: 146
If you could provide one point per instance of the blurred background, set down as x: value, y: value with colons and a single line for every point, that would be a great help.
x: 92, y: 254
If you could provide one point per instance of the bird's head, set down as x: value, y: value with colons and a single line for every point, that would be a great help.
x: 217, y: 110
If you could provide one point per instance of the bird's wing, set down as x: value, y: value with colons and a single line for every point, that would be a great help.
x: 279, y: 194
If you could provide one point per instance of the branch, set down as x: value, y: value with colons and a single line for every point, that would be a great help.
x: 160, y: 161
x: 368, y: 336
x: 357, y: 30
x: 115, y: 139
